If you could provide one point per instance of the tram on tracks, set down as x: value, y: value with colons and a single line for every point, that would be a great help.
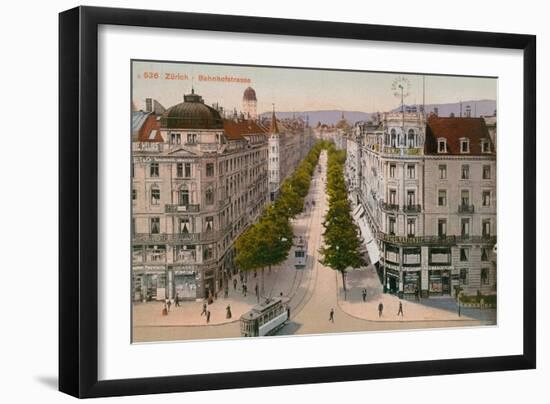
x: 300, y: 254
x: 265, y: 318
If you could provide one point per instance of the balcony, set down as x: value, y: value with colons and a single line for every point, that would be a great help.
x: 412, y: 208
x: 389, y: 207
x: 171, y: 208
x: 174, y: 238
x: 417, y: 241
x: 435, y: 240
x: 465, y: 208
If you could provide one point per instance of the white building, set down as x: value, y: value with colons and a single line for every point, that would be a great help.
x: 426, y: 198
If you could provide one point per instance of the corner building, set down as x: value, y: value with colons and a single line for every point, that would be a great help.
x: 424, y: 193
x: 198, y: 180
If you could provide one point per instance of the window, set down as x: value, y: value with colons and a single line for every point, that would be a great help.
x: 465, y: 145
x: 442, y: 171
x: 465, y: 172
x: 392, y: 196
x: 179, y: 170
x: 465, y: 197
x: 391, y: 225
x: 183, y: 197
x: 411, y: 200
x: 184, y: 225
x: 209, y: 169
x: 155, y: 196
x: 442, y: 227
x: 192, y: 138
x: 463, y: 276
x: 484, y: 255
x: 411, y: 138
x: 442, y: 197
x: 134, y: 194
x: 187, y: 170
x: 175, y: 138
x: 464, y: 254
x: 155, y: 225
x: 392, y: 170
x: 487, y: 172
x: 465, y: 227
x: 484, y: 276
x: 207, y: 253
x: 442, y: 145
x: 486, y: 198
x: 209, y: 196
x: 485, y: 146
x: 411, y: 227
x: 411, y: 171
x: 393, y: 138
x: 154, y: 170
x: 486, y: 227
x: 209, y: 223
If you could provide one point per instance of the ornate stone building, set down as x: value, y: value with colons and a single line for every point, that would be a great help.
x: 424, y: 194
x: 198, y: 181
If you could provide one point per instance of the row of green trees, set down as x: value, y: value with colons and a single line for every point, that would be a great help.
x: 341, y: 247
x: 268, y: 241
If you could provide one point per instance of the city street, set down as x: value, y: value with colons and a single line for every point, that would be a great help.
x: 312, y: 293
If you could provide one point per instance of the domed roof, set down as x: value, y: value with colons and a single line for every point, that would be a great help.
x: 249, y: 94
x: 192, y: 113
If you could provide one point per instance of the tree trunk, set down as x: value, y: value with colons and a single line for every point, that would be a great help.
x: 344, y: 285
x: 262, y: 289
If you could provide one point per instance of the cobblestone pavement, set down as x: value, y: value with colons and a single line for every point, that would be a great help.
x: 313, y: 292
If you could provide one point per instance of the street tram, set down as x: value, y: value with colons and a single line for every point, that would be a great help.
x: 300, y: 254
x: 265, y: 318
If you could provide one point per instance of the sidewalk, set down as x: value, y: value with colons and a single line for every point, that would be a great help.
x: 440, y: 309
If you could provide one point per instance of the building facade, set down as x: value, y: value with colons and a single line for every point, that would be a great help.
x: 289, y: 142
x: 198, y: 180
x: 424, y: 193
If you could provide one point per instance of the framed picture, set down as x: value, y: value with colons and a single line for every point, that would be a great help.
x: 251, y: 202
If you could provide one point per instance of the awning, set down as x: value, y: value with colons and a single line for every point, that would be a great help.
x: 368, y: 239
x: 357, y: 212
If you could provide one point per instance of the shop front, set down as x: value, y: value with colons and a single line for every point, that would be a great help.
x: 392, y: 281
x: 184, y: 284
x: 439, y: 282
x: 149, y: 283
x: 411, y: 283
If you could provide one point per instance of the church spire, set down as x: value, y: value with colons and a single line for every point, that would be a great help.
x: 274, y: 128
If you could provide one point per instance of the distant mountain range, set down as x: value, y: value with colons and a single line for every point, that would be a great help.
x: 330, y: 117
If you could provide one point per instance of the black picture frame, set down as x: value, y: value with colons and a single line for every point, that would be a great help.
x: 78, y: 196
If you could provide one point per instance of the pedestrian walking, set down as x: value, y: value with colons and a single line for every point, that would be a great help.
x: 244, y: 290
x: 168, y: 303
x: 164, y: 310
x: 228, y: 311
x: 400, y: 311
x: 331, y: 315
x: 207, y: 316
x: 288, y: 312
x: 235, y: 284
x: 380, y: 309
x: 364, y: 295
x: 177, y: 300
x: 203, y: 309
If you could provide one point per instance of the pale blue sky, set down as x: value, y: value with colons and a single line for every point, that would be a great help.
x: 302, y: 90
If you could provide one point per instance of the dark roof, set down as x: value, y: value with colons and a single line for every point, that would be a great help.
x: 192, y: 113
x: 453, y: 129
x: 237, y: 129
x: 249, y: 94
